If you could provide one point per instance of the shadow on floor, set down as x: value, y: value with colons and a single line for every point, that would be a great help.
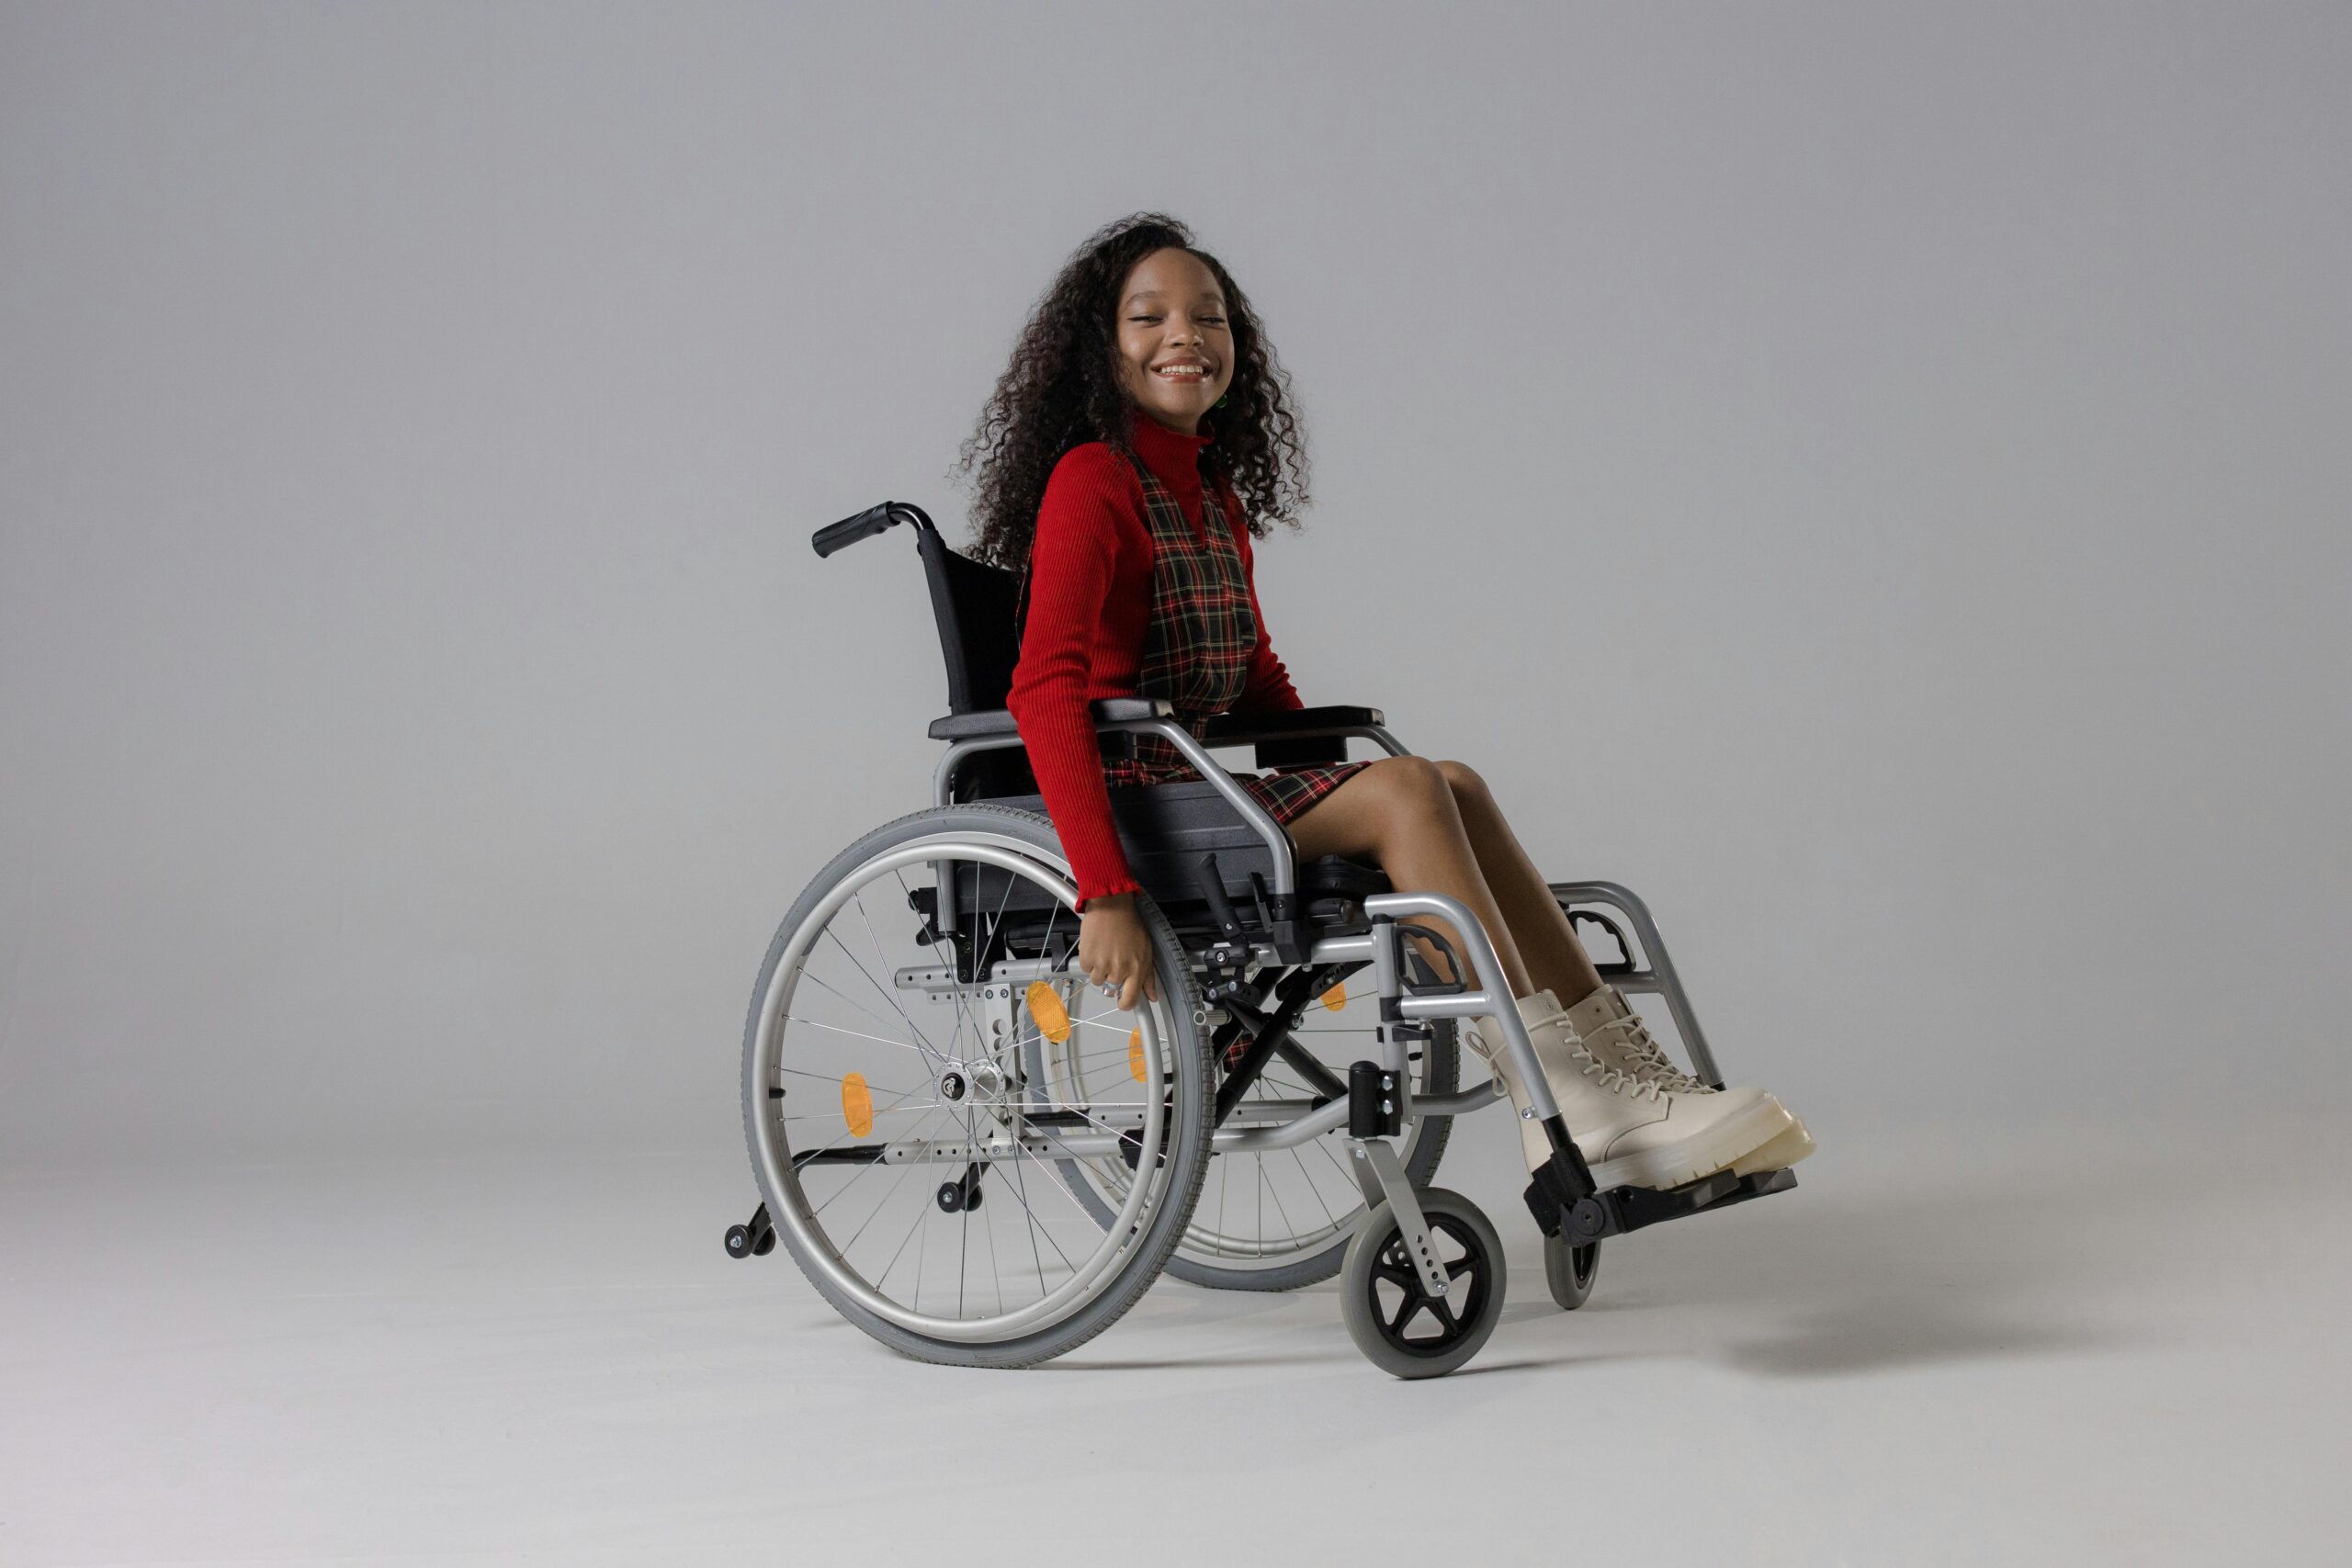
x: 1817, y: 1283
x: 1862, y: 1282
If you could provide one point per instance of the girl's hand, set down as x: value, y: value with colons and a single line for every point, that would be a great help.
x: 1114, y: 949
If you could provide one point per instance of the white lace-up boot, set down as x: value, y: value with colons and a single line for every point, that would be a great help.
x: 1632, y: 1132
x: 1610, y: 1028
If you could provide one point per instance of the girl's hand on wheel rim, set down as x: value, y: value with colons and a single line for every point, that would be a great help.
x: 1115, y: 951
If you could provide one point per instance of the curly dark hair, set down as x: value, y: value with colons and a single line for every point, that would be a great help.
x: 1062, y: 390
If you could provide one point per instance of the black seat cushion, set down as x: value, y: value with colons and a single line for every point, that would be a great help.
x: 1332, y: 876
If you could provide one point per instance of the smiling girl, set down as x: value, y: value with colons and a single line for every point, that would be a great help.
x: 1136, y: 447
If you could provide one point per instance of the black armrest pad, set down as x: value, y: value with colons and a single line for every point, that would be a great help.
x: 967, y: 726
x: 1228, y: 728
x: 1111, y: 710
x: 997, y: 721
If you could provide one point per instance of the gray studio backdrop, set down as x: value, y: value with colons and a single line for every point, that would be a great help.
x: 1871, y: 478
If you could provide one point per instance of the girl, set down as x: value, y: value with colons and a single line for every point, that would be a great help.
x: 1138, y: 442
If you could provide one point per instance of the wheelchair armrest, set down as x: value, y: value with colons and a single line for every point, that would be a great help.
x: 997, y: 721
x: 970, y: 733
x: 1295, y: 736
x: 1236, y: 728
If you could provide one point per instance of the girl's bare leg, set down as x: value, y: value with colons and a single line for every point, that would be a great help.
x: 1555, y: 957
x: 1432, y: 826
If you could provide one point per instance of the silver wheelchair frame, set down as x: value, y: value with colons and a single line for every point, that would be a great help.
x: 1380, y: 1172
x: 1571, y: 1211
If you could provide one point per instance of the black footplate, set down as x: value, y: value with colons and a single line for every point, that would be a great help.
x: 1622, y: 1208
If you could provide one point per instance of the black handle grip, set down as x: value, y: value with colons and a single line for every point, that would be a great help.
x: 1210, y: 882
x: 850, y: 530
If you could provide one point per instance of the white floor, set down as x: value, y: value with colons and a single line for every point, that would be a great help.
x: 2078, y: 1350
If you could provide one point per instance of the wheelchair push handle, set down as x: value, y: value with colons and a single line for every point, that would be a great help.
x: 868, y: 523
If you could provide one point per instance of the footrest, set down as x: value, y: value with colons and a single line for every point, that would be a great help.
x: 1624, y: 1209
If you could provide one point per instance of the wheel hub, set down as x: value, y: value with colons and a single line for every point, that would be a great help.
x: 982, y: 1082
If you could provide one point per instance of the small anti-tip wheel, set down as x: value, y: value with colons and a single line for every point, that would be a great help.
x: 1399, y: 1326
x: 1570, y: 1270
x: 738, y: 1241
x: 954, y: 1197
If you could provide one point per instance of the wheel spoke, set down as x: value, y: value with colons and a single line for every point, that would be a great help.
x: 820, y: 1023
x: 931, y: 1050
x: 904, y: 1171
x: 824, y: 985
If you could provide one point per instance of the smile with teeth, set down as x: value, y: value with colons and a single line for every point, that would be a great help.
x: 1183, y: 372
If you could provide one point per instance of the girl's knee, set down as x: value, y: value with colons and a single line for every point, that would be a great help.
x: 1417, y: 814
x: 1464, y: 784
x: 1414, y: 783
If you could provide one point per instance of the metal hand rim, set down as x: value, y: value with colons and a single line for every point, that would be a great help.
x: 789, y: 1207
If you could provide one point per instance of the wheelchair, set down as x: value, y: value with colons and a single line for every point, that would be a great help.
x: 925, y: 1070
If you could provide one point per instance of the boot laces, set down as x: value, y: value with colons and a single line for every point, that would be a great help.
x: 1613, y: 1077
x: 1643, y: 1059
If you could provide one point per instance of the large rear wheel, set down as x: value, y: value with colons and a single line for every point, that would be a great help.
x: 908, y: 1164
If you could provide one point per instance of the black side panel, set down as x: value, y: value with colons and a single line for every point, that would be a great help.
x: 1166, y: 828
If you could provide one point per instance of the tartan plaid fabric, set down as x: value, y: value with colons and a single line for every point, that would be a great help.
x: 1197, y: 652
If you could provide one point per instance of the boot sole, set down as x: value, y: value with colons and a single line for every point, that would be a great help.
x: 1779, y: 1154
x: 1703, y: 1154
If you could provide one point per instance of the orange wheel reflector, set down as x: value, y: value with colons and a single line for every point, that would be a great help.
x: 1336, y: 997
x: 857, y: 1104
x: 1135, y: 1054
x: 1053, y: 1018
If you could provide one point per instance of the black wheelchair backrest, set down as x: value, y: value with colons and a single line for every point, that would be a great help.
x: 978, y: 609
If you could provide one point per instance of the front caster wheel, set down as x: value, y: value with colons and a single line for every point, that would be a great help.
x: 1570, y: 1270
x: 1399, y: 1326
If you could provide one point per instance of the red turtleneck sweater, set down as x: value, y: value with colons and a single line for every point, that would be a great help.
x: 1090, y: 600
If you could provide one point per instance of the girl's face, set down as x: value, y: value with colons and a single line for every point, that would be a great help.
x: 1175, y: 349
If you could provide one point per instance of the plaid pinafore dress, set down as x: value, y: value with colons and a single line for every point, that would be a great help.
x: 1197, y: 652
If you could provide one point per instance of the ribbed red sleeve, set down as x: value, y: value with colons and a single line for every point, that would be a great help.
x: 1089, y: 603
x: 1090, y: 597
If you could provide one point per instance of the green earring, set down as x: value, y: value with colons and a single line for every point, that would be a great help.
x: 1222, y: 400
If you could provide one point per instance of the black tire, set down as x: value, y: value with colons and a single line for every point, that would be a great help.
x: 1191, y: 1100
x: 1570, y: 1270
x: 1384, y: 1332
